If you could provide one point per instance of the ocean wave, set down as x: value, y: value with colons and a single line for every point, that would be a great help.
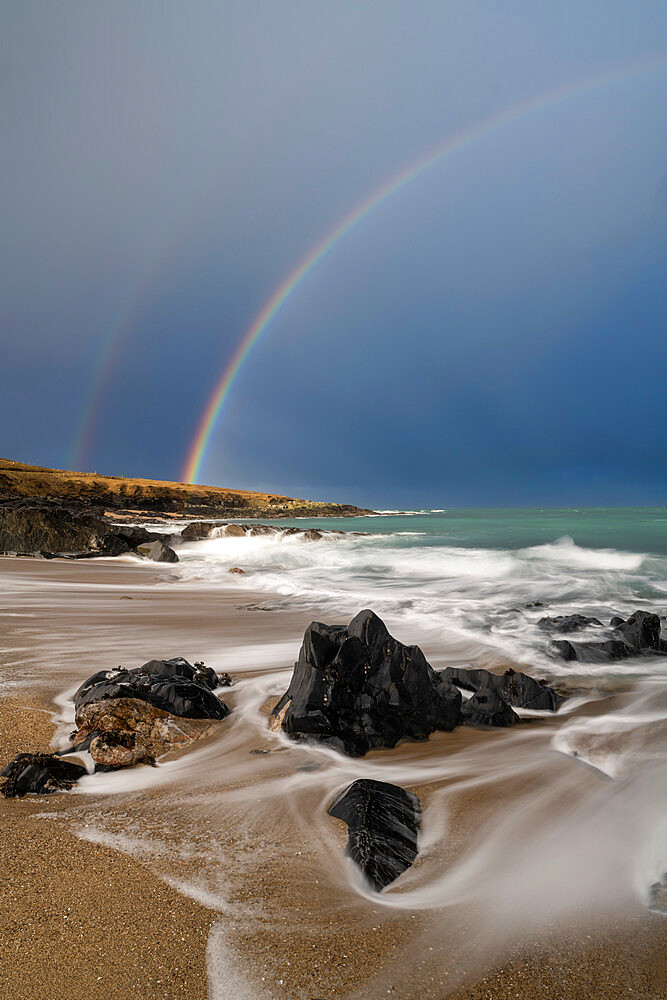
x: 474, y: 601
x: 566, y: 550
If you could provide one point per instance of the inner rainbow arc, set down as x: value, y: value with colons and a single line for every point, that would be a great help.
x: 412, y: 171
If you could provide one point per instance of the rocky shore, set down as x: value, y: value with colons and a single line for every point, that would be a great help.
x: 48, y: 529
x: 290, y: 922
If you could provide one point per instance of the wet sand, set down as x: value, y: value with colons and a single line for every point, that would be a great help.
x: 102, y: 916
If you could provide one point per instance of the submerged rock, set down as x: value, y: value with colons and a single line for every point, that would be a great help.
x: 173, y: 686
x: 642, y: 631
x: 355, y: 688
x: 639, y: 634
x: 566, y: 623
x: 383, y: 822
x: 514, y: 687
x: 313, y: 535
x: 592, y: 652
x: 40, y: 773
x: 157, y: 551
x: 210, y: 529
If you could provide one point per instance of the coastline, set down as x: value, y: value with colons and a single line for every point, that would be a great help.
x: 153, y: 939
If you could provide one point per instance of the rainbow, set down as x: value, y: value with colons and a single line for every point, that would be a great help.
x: 454, y: 144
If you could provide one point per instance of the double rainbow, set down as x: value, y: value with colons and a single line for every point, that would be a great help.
x: 284, y: 291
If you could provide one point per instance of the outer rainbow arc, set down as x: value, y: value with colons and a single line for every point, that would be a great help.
x: 282, y: 293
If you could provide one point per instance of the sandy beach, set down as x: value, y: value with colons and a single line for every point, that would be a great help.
x: 218, y: 873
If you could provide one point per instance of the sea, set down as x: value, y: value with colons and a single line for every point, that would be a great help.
x: 474, y: 582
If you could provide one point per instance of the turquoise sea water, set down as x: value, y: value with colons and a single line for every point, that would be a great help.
x: 629, y: 529
x: 472, y: 583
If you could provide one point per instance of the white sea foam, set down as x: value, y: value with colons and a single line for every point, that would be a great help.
x: 566, y: 551
x: 226, y: 979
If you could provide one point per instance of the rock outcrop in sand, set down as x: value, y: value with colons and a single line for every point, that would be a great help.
x: 173, y: 686
x: 515, y: 688
x: 122, y: 732
x: 356, y: 688
x: 127, y: 717
x: 383, y: 822
x: 40, y: 773
x: 157, y: 551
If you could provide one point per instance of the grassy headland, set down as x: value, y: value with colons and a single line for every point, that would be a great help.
x: 120, y: 495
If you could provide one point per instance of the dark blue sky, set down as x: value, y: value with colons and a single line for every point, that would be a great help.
x: 492, y: 334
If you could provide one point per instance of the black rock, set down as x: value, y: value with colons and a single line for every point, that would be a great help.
x: 567, y: 623
x: 40, y: 773
x: 206, y: 675
x: 639, y: 635
x: 171, y: 685
x: 356, y: 688
x: 157, y: 551
x: 513, y: 687
x: 591, y: 652
x: 641, y: 630
x: 383, y: 821
x: 487, y: 708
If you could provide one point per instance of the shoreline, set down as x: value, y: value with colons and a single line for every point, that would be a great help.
x: 257, y: 924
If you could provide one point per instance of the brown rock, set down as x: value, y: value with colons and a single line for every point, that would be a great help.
x: 198, y: 529
x: 126, y: 731
x: 233, y: 530
x: 157, y: 551
x: 236, y: 569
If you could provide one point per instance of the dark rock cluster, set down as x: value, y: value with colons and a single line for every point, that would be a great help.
x: 513, y: 687
x: 383, y: 823
x: 127, y: 717
x: 637, y: 636
x: 211, y: 529
x: 50, y: 529
x: 356, y: 688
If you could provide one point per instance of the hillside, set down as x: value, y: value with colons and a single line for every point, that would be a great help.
x: 118, y: 495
